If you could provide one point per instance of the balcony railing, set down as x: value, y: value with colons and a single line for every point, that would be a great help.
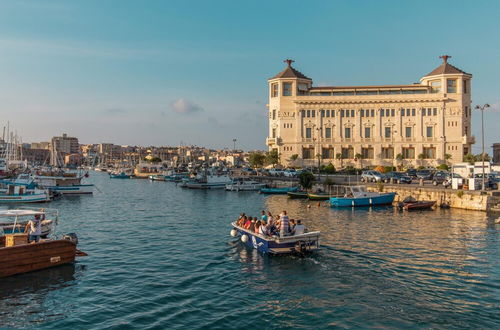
x: 468, y: 139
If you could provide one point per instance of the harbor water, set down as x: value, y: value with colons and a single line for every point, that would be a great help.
x: 162, y: 257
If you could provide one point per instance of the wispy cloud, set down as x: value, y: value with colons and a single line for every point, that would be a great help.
x: 184, y: 106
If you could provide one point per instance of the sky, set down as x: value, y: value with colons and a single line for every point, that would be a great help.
x: 195, y: 72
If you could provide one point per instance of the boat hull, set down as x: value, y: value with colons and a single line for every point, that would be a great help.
x: 35, y: 198
x: 382, y: 199
x: 245, y: 187
x: 297, y: 194
x: 422, y: 205
x: 318, y: 197
x: 72, y: 190
x: 278, y: 191
x: 305, y: 243
x: 31, y: 257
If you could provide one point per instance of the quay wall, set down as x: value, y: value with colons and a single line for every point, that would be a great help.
x: 461, y: 199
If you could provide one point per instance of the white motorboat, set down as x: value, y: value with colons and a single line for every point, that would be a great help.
x: 244, y: 184
x: 64, y: 183
x: 21, y: 194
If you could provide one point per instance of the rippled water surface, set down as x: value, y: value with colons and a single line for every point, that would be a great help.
x: 161, y: 257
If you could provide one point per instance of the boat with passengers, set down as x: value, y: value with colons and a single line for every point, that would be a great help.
x: 359, y: 196
x: 19, y: 256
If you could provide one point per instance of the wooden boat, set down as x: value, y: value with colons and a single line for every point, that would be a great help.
x: 278, y: 191
x: 17, y: 256
x: 418, y: 205
x: 318, y: 196
x: 358, y: 196
x: 297, y: 194
x: 299, y: 244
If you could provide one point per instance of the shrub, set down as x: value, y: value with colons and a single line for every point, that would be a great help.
x: 420, y: 168
x: 328, y: 169
x: 443, y: 167
x: 460, y: 193
x: 389, y: 169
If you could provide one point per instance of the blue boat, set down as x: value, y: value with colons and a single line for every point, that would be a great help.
x: 300, y: 244
x: 358, y: 196
x: 278, y: 191
x: 121, y: 175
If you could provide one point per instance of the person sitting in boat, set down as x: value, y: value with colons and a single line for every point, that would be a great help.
x: 263, y: 216
x: 299, y: 228
x: 247, y: 223
x: 263, y: 229
x: 241, y: 220
x: 284, y: 224
x: 34, y: 229
x: 257, y: 227
x: 291, y: 230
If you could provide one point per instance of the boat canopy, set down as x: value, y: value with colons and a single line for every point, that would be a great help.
x: 20, y: 213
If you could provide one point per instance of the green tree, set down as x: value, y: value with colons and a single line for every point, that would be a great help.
x: 256, y: 159
x: 306, y: 180
x: 447, y: 157
x: 421, y: 157
x: 294, y: 157
x: 399, y: 158
x: 338, y: 156
x: 470, y: 158
x: 328, y: 169
x: 480, y: 159
x: 359, y: 157
x: 273, y: 157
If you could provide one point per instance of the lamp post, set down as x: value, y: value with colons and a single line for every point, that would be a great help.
x: 319, y: 129
x: 482, y: 108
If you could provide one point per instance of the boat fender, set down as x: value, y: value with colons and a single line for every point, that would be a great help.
x: 234, y: 232
x: 71, y: 237
x: 244, y: 238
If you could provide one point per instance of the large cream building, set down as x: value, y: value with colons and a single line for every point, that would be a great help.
x: 425, y: 123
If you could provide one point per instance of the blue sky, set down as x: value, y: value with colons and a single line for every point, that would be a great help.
x: 166, y: 72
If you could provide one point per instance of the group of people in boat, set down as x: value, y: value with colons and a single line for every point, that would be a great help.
x: 268, y: 225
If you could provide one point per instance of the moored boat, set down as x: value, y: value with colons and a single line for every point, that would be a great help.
x: 278, y: 191
x: 119, y: 175
x: 244, y: 184
x: 20, y: 194
x: 358, y: 196
x: 418, y: 205
x: 304, y: 243
x: 157, y: 177
x: 318, y: 196
x: 63, y: 182
x: 297, y: 194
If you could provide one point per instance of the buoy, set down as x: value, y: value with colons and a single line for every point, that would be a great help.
x: 244, y: 238
x: 234, y: 232
x: 319, y: 204
x: 308, y: 206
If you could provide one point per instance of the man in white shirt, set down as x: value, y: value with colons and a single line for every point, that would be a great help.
x: 34, y: 229
x: 299, y: 228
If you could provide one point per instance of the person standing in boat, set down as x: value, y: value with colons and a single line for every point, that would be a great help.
x: 284, y: 224
x: 34, y: 229
x: 264, y: 216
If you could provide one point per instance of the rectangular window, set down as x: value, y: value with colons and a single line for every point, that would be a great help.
x: 322, y: 113
x: 361, y: 113
x: 408, y: 112
x: 435, y: 111
x: 429, y: 131
x: 367, y: 132
x: 466, y: 111
x: 373, y: 113
x: 402, y: 112
x: 408, y: 132
x: 352, y: 113
x: 347, y: 132
x: 387, y: 153
x: 387, y: 132
x: 413, y: 112
x: 342, y: 113
x: 307, y: 153
x: 274, y: 114
x: 465, y: 82
x: 382, y: 112
x: 302, y: 89
x: 328, y: 113
x: 429, y: 153
x: 436, y: 86
x: 313, y: 113
x: 274, y: 133
x: 303, y: 113
x: 347, y: 113
x: 367, y: 153
x: 451, y: 85
x: 328, y: 133
x: 308, y: 113
x: 274, y: 90
x: 347, y: 153
x: 327, y: 153
x: 392, y: 112
x: 287, y: 89
x: 424, y: 110
x: 308, y: 133
x: 409, y: 153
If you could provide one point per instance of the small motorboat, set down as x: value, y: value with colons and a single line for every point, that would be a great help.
x: 295, y: 244
x: 278, y: 191
x: 21, y: 194
x: 320, y: 196
x: 157, y: 177
x: 244, y: 184
x: 297, y: 194
x: 359, y: 196
x: 18, y: 256
x: 411, y: 204
x: 120, y: 175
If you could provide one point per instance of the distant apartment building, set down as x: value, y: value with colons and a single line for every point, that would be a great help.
x: 496, y: 153
x: 36, y: 156
x: 61, y: 146
x: 40, y: 145
x: 425, y: 123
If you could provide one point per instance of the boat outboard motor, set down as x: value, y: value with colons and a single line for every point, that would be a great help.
x: 71, y: 237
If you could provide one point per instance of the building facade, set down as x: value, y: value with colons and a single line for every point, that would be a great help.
x: 496, y: 153
x: 421, y: 124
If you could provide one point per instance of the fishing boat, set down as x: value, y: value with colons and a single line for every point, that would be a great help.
x: 144, y: 170
x: 297, y: 194
x: 300, y: 244
x: 157, y: 177
x: 20, y: 194
x: 210, y: 182
x: 176, y: 177
x: 244, y: 184
x: 63, y: 182
x: 119, y: 175
x: 359, y: 196
x: 278, y: 191
x: 19, y: 227
x: 319, y: 196
x: 17, y: 256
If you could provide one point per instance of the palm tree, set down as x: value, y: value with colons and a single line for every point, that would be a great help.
x: 338, y: 156
x: 447, y: 157
x: 360, y: 158
x: 470, y: 158
x: 399, y: 158
x: 421, y: 157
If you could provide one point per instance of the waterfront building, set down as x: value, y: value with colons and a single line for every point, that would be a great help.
x: 62, y: 146
x: 425, y: 123
x: 496, y: 153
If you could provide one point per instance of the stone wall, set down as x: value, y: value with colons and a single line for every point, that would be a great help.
x: 462, y: 199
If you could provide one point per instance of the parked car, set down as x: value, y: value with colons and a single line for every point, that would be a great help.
x: 440, y: 177
x: 447, y: 182
x: 412, y: 173
x: 424, y: 174
x: 290, y: 173
x: 372, y: 176
x: 397, y: 177
x: 276, y: 172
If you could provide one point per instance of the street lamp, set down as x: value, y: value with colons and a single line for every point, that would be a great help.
x: 319, y: 129
x: 482, y: 108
